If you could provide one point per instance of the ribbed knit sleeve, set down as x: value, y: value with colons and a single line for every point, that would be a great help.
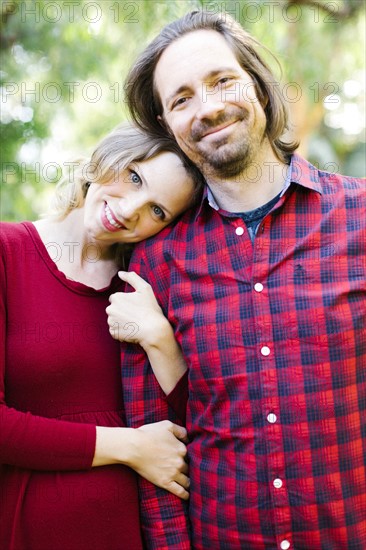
x: 27, y: 440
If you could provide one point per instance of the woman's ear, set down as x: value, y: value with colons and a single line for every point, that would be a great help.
x: 85, y: 188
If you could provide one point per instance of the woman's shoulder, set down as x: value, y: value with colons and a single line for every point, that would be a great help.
x: 13, y: 230
x: 14, y: 235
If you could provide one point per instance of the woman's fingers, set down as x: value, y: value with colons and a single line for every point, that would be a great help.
x: 183, y: 480
x: 180, y: 432
x: 136, y: 317
x: 134, y: 280
x: 178, y: 490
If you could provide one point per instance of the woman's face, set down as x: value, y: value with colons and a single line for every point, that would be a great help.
x: 140, y: 201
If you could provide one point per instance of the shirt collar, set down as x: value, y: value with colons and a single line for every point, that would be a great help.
x: 305, y: 174
x: 299, y: 171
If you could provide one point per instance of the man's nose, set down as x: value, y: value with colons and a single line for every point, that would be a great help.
x: 211, y: 103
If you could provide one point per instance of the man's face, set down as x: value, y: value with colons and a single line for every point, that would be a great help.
x: 210, y: 104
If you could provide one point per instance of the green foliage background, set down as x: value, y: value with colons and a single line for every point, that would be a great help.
x: 63, y: 65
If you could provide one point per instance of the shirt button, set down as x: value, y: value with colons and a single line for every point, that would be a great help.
x: 277, y: 483
x: 258, y: 287
x: 239, y: 230
x: 285, y: 545
x: 265, y: 351
x: 272, y: 418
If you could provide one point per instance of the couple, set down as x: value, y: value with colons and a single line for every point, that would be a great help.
x: 263, y: 281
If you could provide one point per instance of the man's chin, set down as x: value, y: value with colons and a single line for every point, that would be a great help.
x: 223, y: 162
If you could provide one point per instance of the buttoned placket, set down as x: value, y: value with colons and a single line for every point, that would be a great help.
x: 268, y: 377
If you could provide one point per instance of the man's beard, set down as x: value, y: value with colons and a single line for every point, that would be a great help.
x: 223, y: 158
x: 226, y: 160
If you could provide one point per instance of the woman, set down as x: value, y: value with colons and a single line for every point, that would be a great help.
x: 64, y: 449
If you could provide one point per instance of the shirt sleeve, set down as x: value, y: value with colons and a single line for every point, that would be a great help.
x: 164, y: 517
x: 178, y: 397
x: 34, y: 442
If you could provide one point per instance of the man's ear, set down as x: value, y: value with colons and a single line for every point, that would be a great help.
x: 262, y: 95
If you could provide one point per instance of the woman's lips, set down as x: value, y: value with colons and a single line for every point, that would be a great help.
x: 110, y: 221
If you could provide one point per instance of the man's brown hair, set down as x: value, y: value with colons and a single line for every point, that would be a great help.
x: 144, y: 102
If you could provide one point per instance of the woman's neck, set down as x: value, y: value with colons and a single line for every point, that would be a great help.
x: 75, y: 254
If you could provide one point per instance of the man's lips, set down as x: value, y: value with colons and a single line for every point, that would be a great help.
x: 110, y: 221
x: 217, y: 129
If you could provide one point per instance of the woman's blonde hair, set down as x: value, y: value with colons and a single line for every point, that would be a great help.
x: 124, y: 145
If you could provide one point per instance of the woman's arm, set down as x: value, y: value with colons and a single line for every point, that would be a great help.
x: 137, y: 318
x: 155, y: 451
x: 164, y: 517
x: 31, y: 441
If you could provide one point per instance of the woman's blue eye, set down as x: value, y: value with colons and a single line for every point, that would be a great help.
x: 135, y: 178
x: 158, y: 212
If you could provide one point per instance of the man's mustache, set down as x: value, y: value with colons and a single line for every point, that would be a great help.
x: 201, y: 128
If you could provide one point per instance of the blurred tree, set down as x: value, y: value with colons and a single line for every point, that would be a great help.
x: 64, y: 62
x: 62, y: 71
x: 321, y: 47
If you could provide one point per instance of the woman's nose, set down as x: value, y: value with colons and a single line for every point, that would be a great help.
x: 130, y: 208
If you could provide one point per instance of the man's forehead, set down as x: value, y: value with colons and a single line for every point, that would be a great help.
x: 199, y: 53
x: 201, y: 42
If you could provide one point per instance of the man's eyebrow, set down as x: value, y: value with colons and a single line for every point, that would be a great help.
x: 209, y: 76
x: 178, y: 91
x: 221, y: 70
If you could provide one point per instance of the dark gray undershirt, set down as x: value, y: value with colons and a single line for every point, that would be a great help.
x: 253, y: 218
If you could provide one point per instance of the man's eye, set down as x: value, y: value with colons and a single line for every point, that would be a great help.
x: 179, y: 102
x: 158, y: 212
x: 135, y: 178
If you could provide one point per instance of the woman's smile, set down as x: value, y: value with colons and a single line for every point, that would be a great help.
x: 109, y: 220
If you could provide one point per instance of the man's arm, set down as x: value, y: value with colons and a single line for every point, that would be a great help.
x: 164, y: 517
x: 136, y: 318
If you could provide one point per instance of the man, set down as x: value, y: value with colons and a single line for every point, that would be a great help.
x: 265, y: 284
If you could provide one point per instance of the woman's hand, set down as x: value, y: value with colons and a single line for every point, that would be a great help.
x: 155, y: 451
x: 159, y: 456
x: 136, y: 317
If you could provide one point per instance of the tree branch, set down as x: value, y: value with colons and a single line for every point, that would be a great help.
x: 7, y: 10
x: 348, y: 9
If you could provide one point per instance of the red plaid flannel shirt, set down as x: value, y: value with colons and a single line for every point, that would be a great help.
x: 274, y: 334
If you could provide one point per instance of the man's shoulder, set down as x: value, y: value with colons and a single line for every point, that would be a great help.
x: 173, y: 235
x: 327, y: 182
x: 171, y: 239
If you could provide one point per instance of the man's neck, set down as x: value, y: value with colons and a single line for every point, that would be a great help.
x: 253, y: 187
